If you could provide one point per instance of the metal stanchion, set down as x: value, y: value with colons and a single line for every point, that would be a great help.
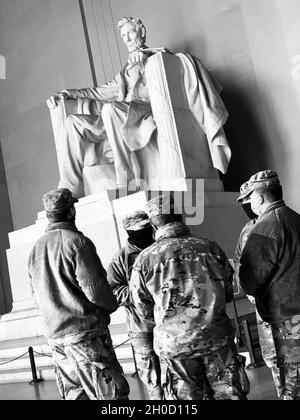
x: 254, y: 363
x: 35, y: 379
x: 237, y: 325
x: 134, y: 360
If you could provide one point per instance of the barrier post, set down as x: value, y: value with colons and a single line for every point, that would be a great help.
x: 35, y: 379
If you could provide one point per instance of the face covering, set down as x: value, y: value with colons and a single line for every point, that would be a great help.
x: 249, y: 211
x: 141, y: 238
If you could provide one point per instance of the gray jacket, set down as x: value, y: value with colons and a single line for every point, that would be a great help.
x: 69, y: 283
x: 270, y: 263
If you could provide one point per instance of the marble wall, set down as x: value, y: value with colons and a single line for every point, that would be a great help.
x: 45, y: 50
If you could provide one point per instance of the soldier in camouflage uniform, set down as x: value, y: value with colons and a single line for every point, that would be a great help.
x: 140, y: 236
x: 270, y: 271
x: 266, y: 339
x: 74, y: 298
x: 180, y: 286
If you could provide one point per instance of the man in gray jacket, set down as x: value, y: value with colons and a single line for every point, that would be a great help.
x: 72, y: 293
x: 270, y: 271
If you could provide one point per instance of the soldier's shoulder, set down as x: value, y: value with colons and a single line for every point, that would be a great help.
x: 76, y: 239
x: 146, y: 253
x: 202, y: 239
x: 207, y: 244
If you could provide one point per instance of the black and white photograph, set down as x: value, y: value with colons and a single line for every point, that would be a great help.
x: 150, y: 202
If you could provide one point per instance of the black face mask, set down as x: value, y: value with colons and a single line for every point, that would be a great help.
x: 248, y: 211
x: 141, y: 238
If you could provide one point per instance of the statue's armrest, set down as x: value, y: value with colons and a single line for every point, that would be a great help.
x: 81, y: 106
x: 69, y: 106
x: 58, y: 114
x: 65, y: 108
x: 78, y: 106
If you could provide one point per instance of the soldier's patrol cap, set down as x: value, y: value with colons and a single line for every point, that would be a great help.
x: 262, y: 179
x: 136, y: 220
x: 162, y: 204
x: 58, y: 201
x: 244, y: 191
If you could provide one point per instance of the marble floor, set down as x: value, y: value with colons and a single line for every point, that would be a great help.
x: 262, y: 388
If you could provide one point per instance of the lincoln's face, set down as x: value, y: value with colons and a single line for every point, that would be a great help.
x: 131, y: 37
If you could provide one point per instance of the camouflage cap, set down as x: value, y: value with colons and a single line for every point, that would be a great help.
x: 162, y: 204
x: 262, y: 179
x: 244, y: 191
x: 136, y: 220
x: 58, y: 201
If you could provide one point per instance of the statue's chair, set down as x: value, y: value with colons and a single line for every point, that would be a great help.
x: 183, y: 147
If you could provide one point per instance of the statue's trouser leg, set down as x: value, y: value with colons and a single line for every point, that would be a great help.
x: 73, y: 145
x: 114, y: 116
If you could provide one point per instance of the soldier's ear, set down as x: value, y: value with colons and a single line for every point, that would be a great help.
x: 72, y: 212
x: 261, y: 199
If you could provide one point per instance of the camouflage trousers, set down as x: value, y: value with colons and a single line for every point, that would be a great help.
x: 88, y: 369
x: 268, y: 351
x: 280, y: 346
x: 219, y: 375
x: 149, y: 372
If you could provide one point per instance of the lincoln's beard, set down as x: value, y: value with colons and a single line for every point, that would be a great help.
x: 136, y: 45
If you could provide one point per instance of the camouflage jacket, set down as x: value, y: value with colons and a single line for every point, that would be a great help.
x: 179, y: 287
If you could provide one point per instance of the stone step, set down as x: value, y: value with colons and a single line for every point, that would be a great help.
x: 24, y: 374
x: 10, y: 376
x: 22, y: 342
x: 14, y: 368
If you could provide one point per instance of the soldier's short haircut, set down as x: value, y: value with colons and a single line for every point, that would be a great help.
x: 164, y: 219
x: 137, y: 22
x: 58, y: 217
x: 273, y: 193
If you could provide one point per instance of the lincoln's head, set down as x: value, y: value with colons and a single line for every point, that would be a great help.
x: 133, y: 33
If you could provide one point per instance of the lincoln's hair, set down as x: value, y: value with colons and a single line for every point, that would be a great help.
x: 137, y: 22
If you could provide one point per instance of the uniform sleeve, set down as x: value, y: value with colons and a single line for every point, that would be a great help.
x: 116, y: 276
x: 29, y: 271
x: 142, y: 334
x: 91, y: 277
x: 228, y: 280
x: 143, y: 302
x: 221, y: 270
x: 238, y: 252
x: 258, y: 262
